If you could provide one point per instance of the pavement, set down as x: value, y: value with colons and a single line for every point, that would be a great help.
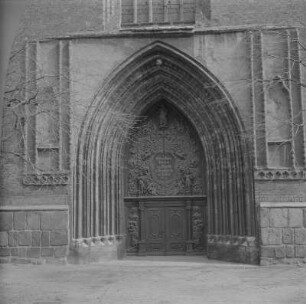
x: 158, y: 280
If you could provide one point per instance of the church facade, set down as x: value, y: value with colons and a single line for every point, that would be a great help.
x: 160, y: 135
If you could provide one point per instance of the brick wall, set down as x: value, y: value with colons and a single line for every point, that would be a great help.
x: 60, y: 17
x: 33, y: 234
x: 283, y: 233
x: 243, y: 12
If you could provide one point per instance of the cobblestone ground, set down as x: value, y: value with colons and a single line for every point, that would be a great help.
x: 179, y: 280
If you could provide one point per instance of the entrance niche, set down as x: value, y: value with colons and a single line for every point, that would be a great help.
x: 153, y: 186
x: 165, y: 202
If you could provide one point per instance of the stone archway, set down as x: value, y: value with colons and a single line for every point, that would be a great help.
x: 157, y: 72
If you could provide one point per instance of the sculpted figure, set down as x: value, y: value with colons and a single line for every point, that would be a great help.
x: 163, y: 122
x: 152, y: 189
x: 142, y: 186
x: 187, y: 179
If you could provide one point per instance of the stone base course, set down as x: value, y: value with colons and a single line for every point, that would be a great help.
x: 233, y: 249
x: 283, y: 233
x: 33, y: 235
x: 39, y: 236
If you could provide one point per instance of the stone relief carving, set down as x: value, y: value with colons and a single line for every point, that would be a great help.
x: 164, y: 156
x: 133, y: 226
x: 163, y: 122
x: 197, y: 226
x: 46, y: 179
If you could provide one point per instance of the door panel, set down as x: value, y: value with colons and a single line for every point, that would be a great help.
x: 175, y: 230
x: 155, y: 234
x: 166, y: 230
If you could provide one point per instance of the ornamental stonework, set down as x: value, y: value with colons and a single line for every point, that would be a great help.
x: 280, y: 174
x: 46, y: 179
x: 164, y: 156
x: 197, y: 227
x: 133, y: 227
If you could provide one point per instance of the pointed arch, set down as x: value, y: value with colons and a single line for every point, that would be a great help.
x: 155, y: 72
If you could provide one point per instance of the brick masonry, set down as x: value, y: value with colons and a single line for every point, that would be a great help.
x: 238, y: 12
x: 57, y: 17
x: 282, y: 233
x: 33, y: 235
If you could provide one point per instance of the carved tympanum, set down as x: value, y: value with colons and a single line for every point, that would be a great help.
x: 164, y: 156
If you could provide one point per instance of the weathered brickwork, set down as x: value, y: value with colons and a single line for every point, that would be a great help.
x: 283, y: 233
x: 279, y: 191
x: 44, y: 18
x: 33, y: 235
x: 240, y: 12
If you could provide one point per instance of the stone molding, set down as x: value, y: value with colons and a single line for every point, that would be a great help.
x: 282, y: 205
x: 280, y: 174
x: 35, y: 208
x: 45, y: 179
x: 41, y: 199
x: 174, y: 30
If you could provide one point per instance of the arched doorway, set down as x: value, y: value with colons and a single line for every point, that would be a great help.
x: 161, y: 72
x: 165, y: 202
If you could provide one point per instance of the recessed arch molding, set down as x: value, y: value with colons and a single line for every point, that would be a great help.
x: 160, y: 71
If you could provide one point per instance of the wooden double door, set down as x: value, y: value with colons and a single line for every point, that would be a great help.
x: 160, y: 227
x: 166, y: 230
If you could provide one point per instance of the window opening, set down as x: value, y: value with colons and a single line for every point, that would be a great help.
x: 157, y: 11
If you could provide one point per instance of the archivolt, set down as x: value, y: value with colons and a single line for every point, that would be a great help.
x: 161, y: 72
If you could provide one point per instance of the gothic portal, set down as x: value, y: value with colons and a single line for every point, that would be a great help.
x: 176, y: 180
